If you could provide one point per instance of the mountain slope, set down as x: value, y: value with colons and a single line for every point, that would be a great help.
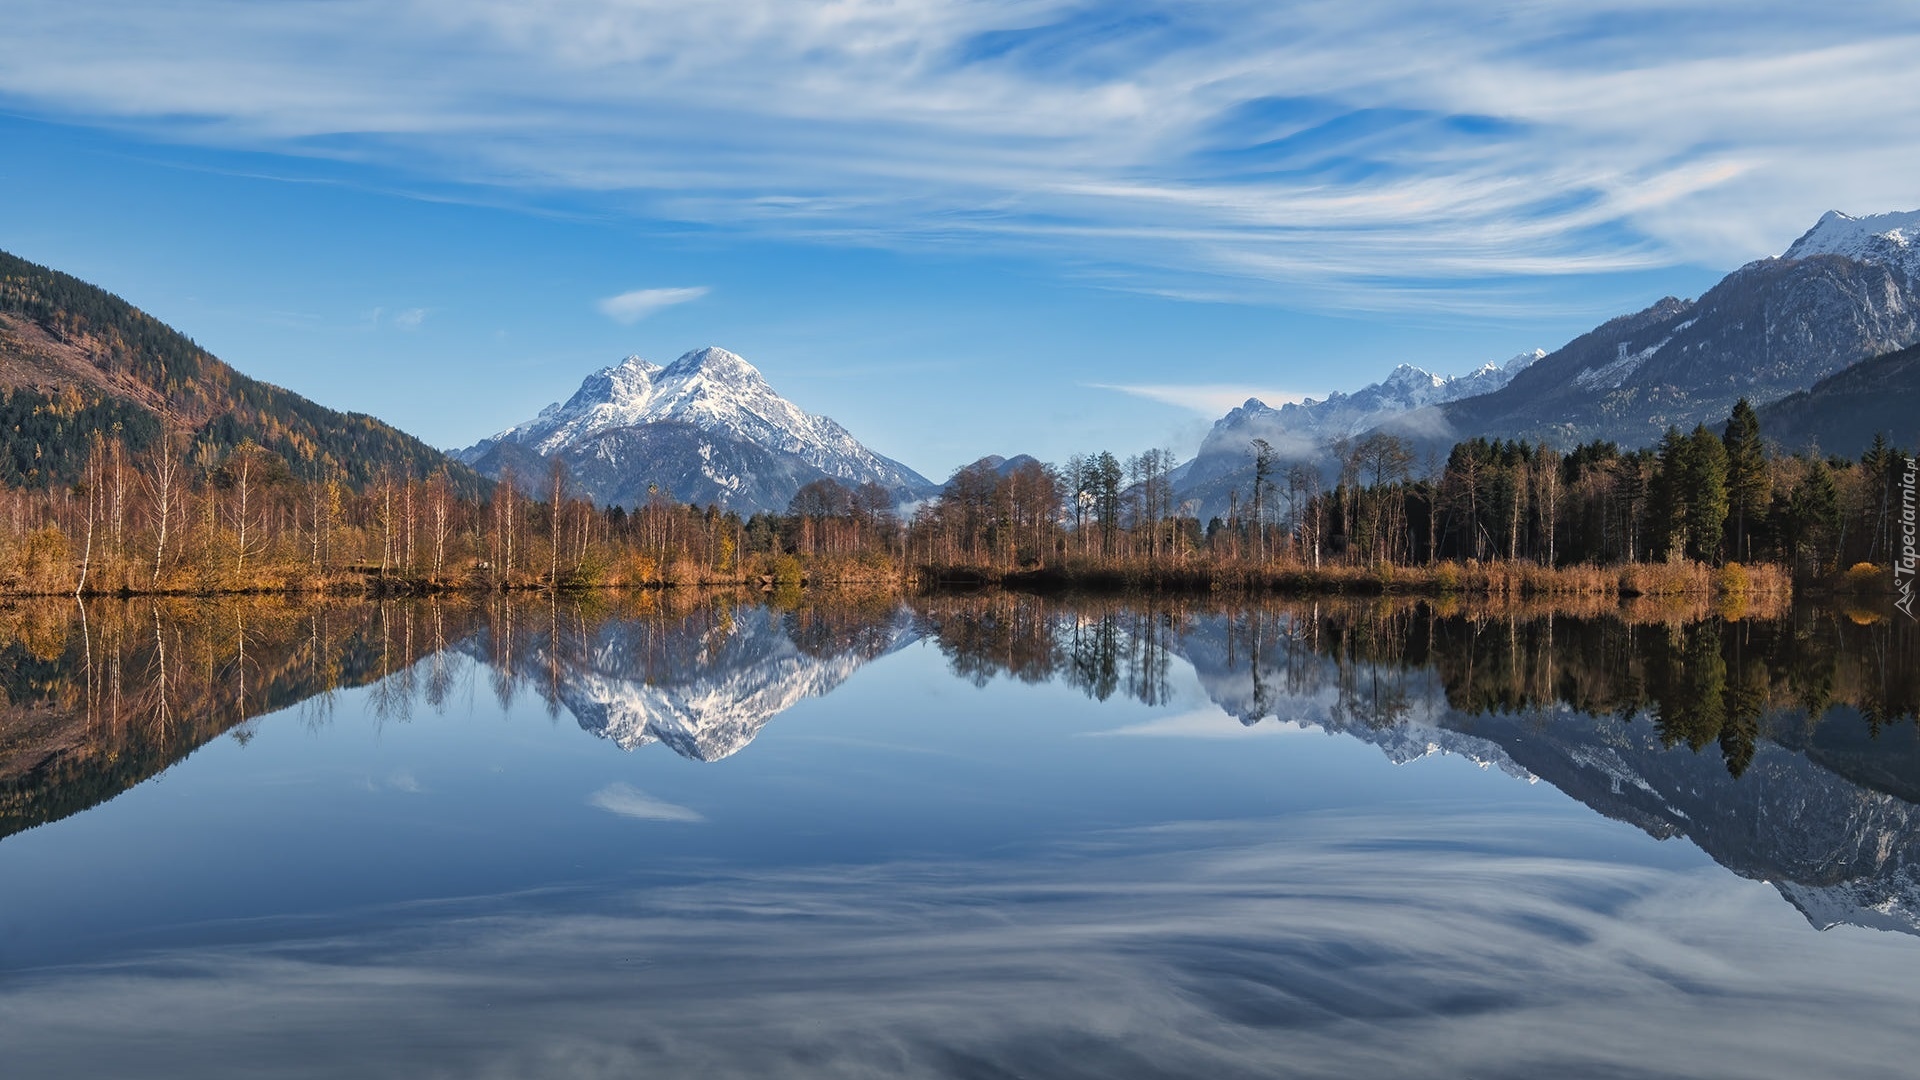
x: 1845, y: 291
x: 1844, y: 411
x: 706, y: 428
x: 75, y: 359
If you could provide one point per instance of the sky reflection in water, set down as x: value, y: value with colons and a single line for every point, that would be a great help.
x: 967, y: 837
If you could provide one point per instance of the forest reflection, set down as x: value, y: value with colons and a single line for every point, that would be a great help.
x: 1700, y: 678
x: 102, y: 696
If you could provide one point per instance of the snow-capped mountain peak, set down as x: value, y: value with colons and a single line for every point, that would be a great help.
x: 1405, y: 389
x: 723, y: 399
x: 710, y: 385
x: 1302, y: 430
x: 1891, y: 239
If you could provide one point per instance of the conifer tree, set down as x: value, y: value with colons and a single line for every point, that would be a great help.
x: 1749, y: 487
x: 1705, y: 481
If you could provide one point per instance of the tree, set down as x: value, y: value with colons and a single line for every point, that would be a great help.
x: 1705, y: 481
x: 1263, y: 461
x: 1813, y: 514
x: 556, y: 500
x: 1103, y: 480
x: 243, y: 470
x: 161, y: 477
x: 1385, y: 459
x: 439, y: 495
x: 1749, y: 486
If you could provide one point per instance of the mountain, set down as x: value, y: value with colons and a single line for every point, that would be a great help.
x: 1889, y: 239
x: 1842, y: 412
x: 1007, y: 466
x: 1847, y: 290
x: 706, y: 428
x: 1302, y: 431
x: 75, y: 359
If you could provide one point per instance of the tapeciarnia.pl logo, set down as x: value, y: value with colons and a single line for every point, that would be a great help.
x: 1903, y: 564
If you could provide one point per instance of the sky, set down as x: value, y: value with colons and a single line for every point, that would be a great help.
x: 959, y: 227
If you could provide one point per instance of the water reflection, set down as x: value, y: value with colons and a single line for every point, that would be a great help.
x: 1786, y: 749
x: 702, y: 681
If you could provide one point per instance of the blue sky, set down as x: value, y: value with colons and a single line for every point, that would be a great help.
x: 953, y: 225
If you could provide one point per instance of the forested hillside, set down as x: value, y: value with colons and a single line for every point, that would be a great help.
x: 76, y: 360
x: 1844, y: 412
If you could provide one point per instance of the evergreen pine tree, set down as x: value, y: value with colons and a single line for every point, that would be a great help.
x: 1749, y: 488
x: 1706, y: 494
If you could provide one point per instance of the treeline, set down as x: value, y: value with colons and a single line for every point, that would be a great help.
x: 178, y: 515
x: 1703, y: 498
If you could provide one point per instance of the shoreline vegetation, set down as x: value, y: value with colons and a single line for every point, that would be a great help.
x: 1497, y: 519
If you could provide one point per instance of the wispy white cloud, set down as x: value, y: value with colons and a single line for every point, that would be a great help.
x: 1342, y: 151
x: 631, y: 307
x: 629, y: 801
x: 410, y: 319
x: 1206, y: 399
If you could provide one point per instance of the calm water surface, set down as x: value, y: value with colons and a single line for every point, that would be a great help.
x: 986, y: 836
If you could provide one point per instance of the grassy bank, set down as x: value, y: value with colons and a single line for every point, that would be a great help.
x: 1489, y: 579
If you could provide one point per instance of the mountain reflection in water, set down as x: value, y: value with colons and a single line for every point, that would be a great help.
x: 1785, y: 749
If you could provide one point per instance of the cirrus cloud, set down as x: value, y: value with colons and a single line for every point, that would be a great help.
x: 631, y: 307
x: 1351, y: 152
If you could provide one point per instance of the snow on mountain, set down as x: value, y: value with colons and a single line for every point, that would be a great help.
x: 1891, y: 239
x: 707, y: 427
x: 1406, y: 389
x: 1301, y: 431
x: 715, y: 391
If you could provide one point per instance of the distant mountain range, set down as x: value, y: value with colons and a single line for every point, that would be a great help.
x: 75, y: 359
x: 1303, y: 431
x: 705, y: 429
x: 1812, y: 330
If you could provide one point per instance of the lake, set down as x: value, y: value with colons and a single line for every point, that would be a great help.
x: 986, y: 835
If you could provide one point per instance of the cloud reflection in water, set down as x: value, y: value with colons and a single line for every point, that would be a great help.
x: 1335, y: 944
